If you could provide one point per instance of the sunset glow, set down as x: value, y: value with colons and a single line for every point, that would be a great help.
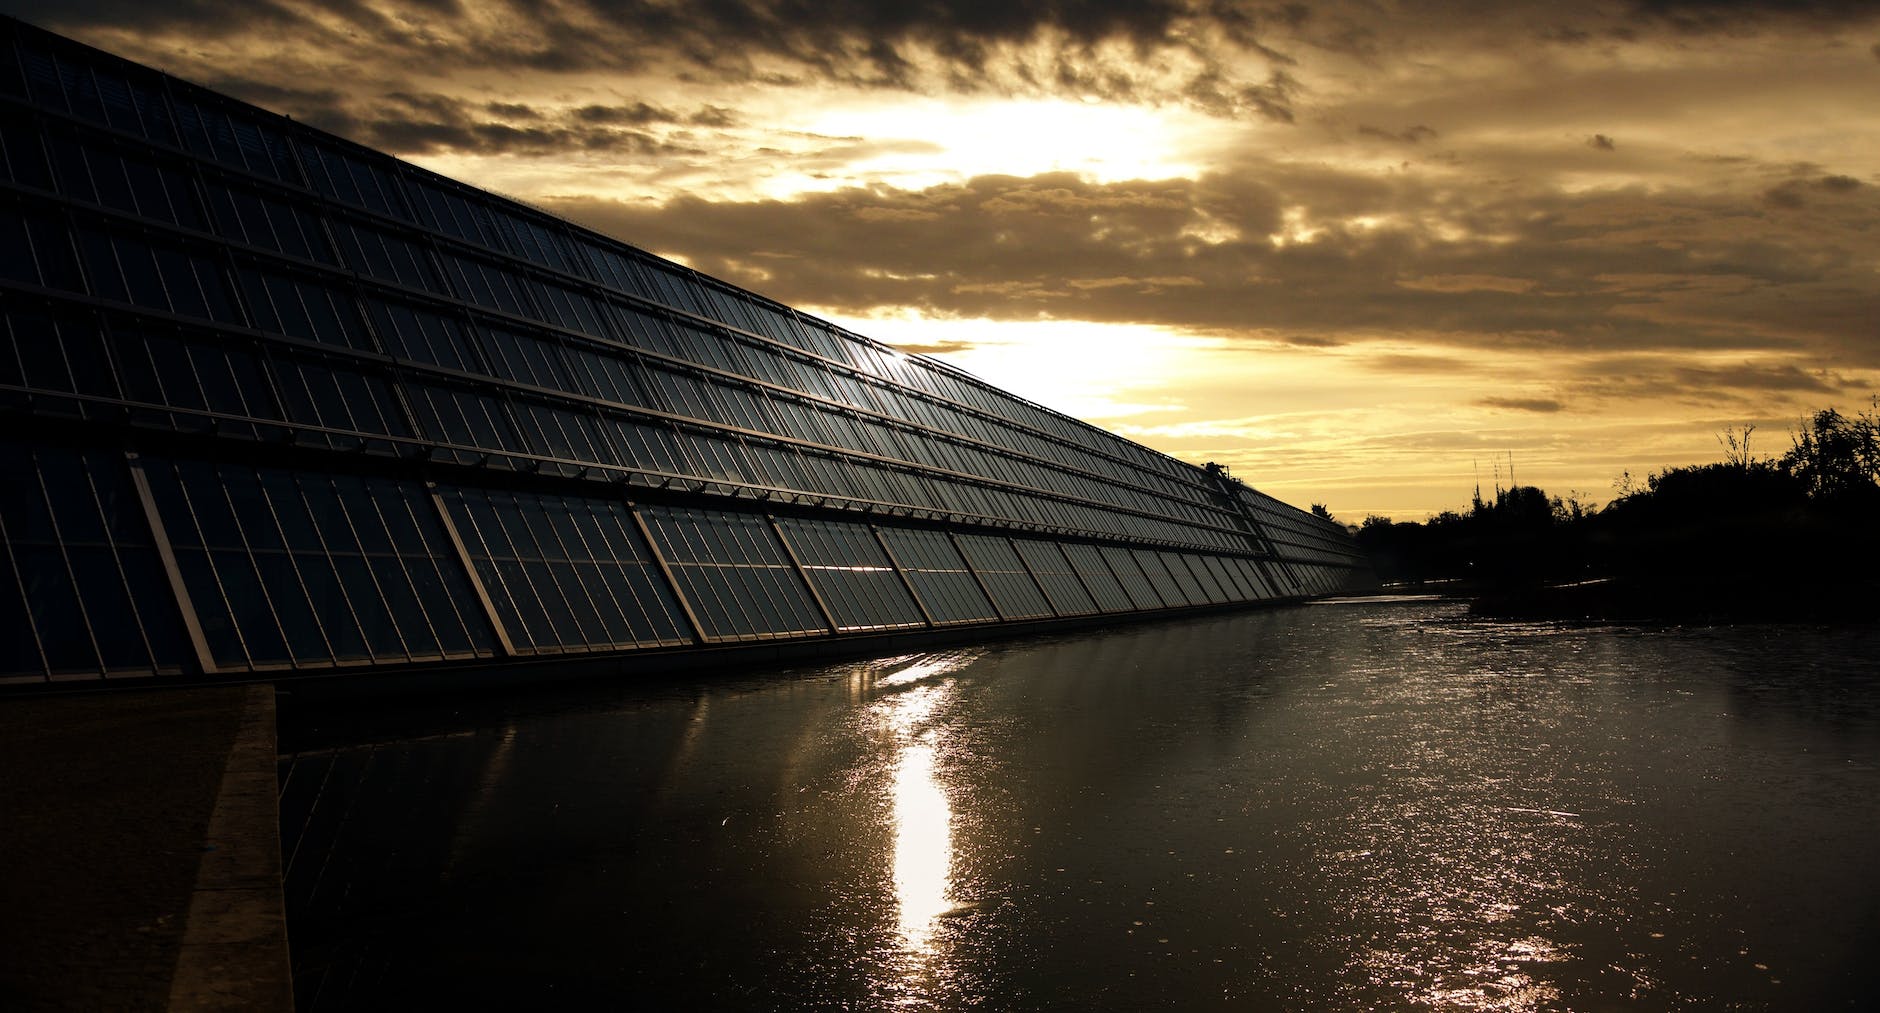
x: 1353, y: 254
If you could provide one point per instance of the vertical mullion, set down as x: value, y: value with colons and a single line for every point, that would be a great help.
x: 745, y: 535
x: 606, y: 523
x: 372, y: 574
x: 1071, y: 565
x: 1025, y: 564
x: 525, y: 555
x: 65, y: 559
x: 199, y: 644
x: 117, y: 561
x: 1104, y: 558
x: 974, y: 573
x: 719, y: 539
x: 19, y: 584
x: 665, y: 570
x: 405, y: 562
x: 591, y: 556
x: 504, y: 645
x: 789, y: 552
x: 901, y: 572
x: 326, y: 552
x: 434, y: 557
x: 293, y: 564
x: 588, y: 639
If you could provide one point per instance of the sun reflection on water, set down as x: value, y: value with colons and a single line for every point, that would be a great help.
x: 923, y: 847
x: 909, y: 693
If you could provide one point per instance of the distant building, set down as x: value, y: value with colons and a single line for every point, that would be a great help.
x: 271, y: 402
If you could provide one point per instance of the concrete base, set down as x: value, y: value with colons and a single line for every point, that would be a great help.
x: 142, y: 852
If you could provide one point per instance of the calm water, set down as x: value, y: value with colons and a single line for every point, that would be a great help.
x: 1339, y: 806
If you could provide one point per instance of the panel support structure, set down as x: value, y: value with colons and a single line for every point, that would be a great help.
x: 901, y: 572
x: 1039, y: 584
x: 983, y: 589
x: 192, y: 627
x: 802, y: 574
x: 672, y: 581
x: 503, y: 644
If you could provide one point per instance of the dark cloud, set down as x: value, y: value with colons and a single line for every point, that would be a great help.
x: 1795, y: 193
x: 714, y: 116
x: 1601, y: 142
x: 1784, y: 378
x: 1400, y: 362
x: 1665, y: 379
x: 413, y: 123
x: 936, y: 347
x: 513, y: 110
x: 1230, y: 58
x: 145, y: 14
x: 1579, y: 272
x: 1412, y: 135
x: 1732, y: 16
x: 637, y: 114
x: 1544, y: 405
x: 1310, y: 341
x: 1104, y: 49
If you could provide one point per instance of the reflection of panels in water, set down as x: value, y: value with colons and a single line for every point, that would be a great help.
x: 995, y: 821
x: 368, y: 826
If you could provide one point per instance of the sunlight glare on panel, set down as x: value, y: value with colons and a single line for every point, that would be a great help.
x: 1086, y: 370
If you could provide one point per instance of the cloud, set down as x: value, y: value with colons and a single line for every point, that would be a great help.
x: 513, y: 110
x: 1467, y: 283
x: 388, y: 127
x: 1601, y: 142
x: 419, y: 123
x: 1700, y: 17
x: 637, y: 114
x: 1412, y: 135
x: 1319, y: 255
x: 1795, y: 193
x: 1226, y: 58
x: 1542, y: 405
x: 1421, y: 362
x: 936, y: 347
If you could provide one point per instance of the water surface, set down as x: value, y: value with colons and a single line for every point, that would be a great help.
x: 1338, y: 806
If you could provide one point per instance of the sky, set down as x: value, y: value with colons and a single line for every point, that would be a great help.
x: 1368, y: 254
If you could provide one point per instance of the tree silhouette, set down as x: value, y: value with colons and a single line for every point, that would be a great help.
x: 1744, y: 538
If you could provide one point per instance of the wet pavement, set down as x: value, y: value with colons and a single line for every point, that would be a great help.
x: 140, y: 850
x: 1380, y: 805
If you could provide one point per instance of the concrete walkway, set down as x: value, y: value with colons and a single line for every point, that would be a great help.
x: 140, y: 852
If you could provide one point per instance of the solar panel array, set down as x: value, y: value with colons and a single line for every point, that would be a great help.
x: 275, y: 402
